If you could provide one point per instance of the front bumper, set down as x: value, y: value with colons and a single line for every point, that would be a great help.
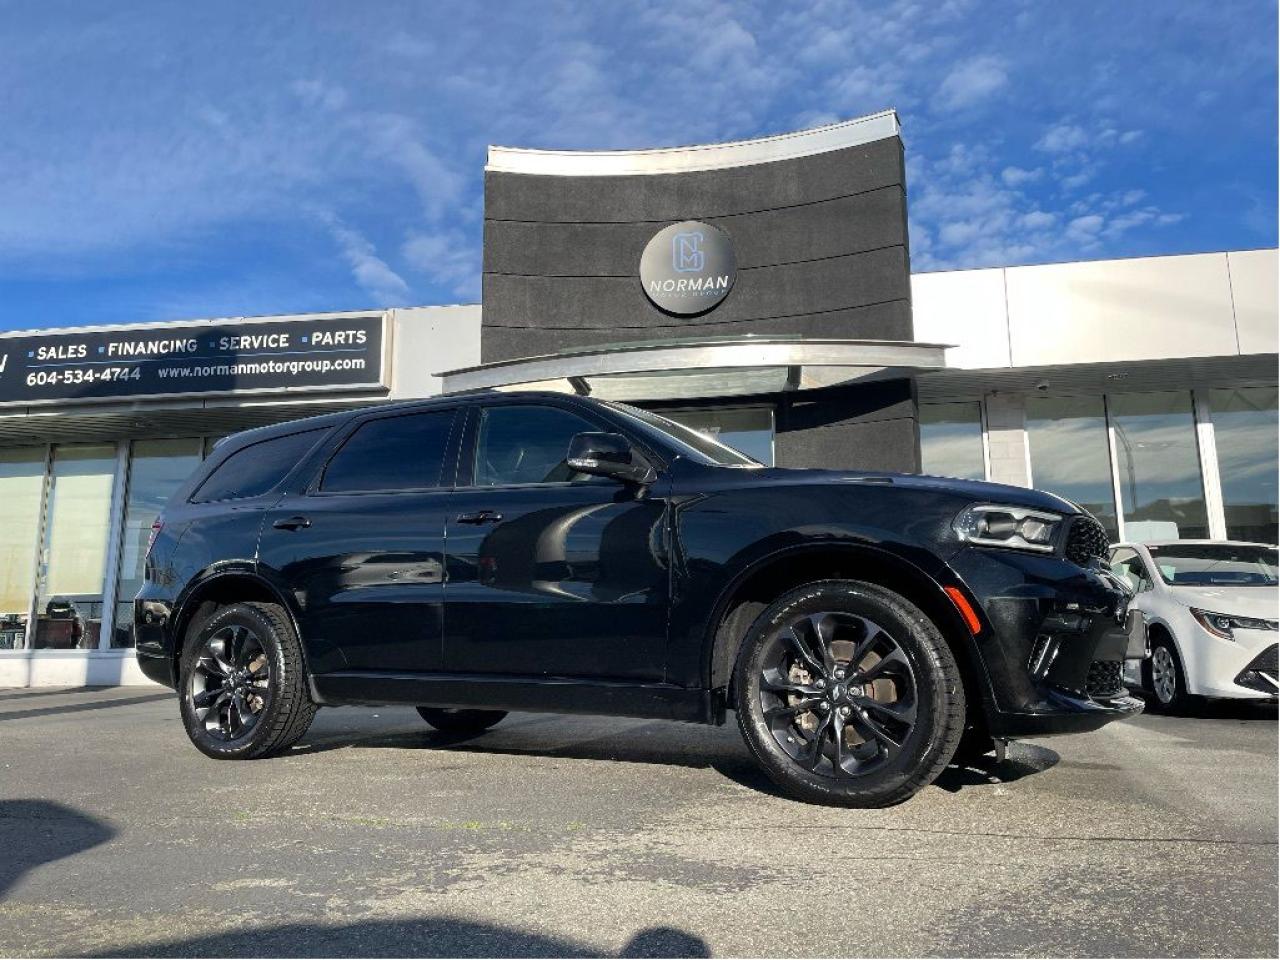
x: 1054, y: 640
x: 1244, y: 668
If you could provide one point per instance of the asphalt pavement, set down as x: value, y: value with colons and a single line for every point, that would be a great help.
x: 582, y: 836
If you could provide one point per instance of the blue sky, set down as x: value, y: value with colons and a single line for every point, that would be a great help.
x: 170, y: 160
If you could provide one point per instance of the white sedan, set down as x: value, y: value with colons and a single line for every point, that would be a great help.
x: 1212, y: 611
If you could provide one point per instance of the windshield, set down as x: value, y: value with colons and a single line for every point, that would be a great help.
x: 1215, y: 565
x: 691, y: 443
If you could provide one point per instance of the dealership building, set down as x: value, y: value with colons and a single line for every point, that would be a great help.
x: 758, y: 290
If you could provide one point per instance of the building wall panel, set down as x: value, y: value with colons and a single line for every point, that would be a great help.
x: 966, y: 308
x: 1107, y: 311
x: 1254, y: 283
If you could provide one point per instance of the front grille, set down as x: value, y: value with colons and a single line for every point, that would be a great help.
x: 1261, y: 672
x: 1087, y: 540
x: 1106, y: 678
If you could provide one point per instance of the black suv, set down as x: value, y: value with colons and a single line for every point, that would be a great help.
x: 476, y: 554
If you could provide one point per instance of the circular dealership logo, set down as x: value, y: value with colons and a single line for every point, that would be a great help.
x: 688, y: 267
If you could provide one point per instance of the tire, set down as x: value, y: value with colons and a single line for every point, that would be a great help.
x: 872, y: 746
x: 1164, y: 676
x: 244, y: 656
x: 448, y: 720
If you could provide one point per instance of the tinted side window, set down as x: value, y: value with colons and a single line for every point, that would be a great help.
x: 257, y: 468
x: 392, y: 453
x: 526, y: 444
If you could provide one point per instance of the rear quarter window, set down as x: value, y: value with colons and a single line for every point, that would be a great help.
x: 257, y: 468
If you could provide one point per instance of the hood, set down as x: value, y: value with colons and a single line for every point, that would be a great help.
x: 1261, y: 603
x: 972, y: 490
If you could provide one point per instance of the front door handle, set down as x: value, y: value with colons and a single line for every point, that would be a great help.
x: 480, y: 516
x: 292, y: 523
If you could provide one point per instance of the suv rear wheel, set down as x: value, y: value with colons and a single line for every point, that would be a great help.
x: 243, y: 689
x: 847, y: 694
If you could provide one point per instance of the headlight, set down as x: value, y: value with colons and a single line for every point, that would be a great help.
x: 1222, y: 624
x: 993, y: 525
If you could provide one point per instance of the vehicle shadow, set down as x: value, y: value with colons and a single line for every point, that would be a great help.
x: 420, y: 937
x: 658, y: 742
x: 1023, y: 760
x: 80, y: 706
x: 36, y: 832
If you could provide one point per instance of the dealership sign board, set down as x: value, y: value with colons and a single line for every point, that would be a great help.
x: 688, y: 267
x: 265, y: 356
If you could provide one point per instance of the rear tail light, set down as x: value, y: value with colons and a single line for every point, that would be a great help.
x: 156, y: 527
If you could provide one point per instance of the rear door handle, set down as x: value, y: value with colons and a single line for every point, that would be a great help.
x: 292, y: 523
x: 480, y: 516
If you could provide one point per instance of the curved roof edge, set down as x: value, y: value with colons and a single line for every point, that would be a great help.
x: 711, y: 156
x: 697, y: 355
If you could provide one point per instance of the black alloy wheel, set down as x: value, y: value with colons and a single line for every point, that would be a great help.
x: 243, y: 689
x: 839, y: 693
x: 231, y: 683
x: 847, y: 694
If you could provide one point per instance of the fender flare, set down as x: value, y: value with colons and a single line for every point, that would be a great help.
x: 188, y: 602
x: 714, y: 647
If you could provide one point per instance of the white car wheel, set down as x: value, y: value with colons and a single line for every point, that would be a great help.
x: 1167, y: 682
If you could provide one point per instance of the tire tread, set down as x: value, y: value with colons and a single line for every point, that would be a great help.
x: 951, y: 722
x: 293, y: 711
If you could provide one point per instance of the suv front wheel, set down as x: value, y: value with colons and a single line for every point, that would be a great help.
x: 847, y: 694
x: 243, y: 689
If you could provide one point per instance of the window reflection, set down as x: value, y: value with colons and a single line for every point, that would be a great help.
x: 1159, y: 466
x: 748, y: 430
x: 21, y: 484
x: 951, y: 440
x: 1244, y: 428
x: 73, y: 554
x: 156, y: 469
x: 1069, y: 453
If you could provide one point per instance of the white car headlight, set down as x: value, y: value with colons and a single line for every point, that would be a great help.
x: 1222, y: 624
x: 996, y: 525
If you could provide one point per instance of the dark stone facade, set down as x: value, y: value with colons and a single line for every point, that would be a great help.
x: 821, y: 246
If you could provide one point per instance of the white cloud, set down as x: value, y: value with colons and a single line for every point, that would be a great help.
x: 969, y: 210
x: 318, y: 93
x: 447, y: 258
x: 1017, y: 176
x: 1062, y: 138
x: 369, y: 270
x: 971, y: 82
x: 1086, y: 225
x: 1037, y: 220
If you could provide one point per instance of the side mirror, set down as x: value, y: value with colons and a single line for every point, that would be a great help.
x: 609, y: 455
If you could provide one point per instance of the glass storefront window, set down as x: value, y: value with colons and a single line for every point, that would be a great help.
x: 1070, y: 455
x: 156, y: 469
x: 1159, y: 466
x: 951, y: 440
x: 746, y: 429
x: 21, y: 485
x: 1244, y: 429
x: 73, y: 553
